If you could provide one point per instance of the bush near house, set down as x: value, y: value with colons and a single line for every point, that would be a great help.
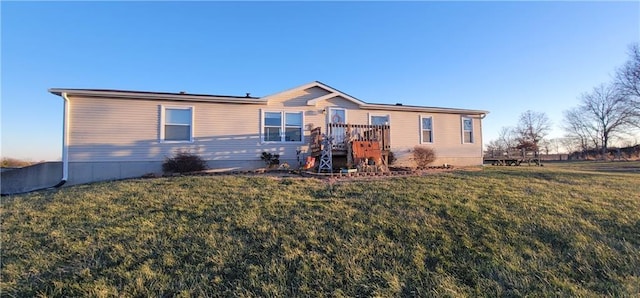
x: 423, y: 156
x: 184, y: 162
x: 8, y: 162
x: 270, y: 160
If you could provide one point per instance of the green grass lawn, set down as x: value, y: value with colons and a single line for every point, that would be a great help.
x: 501, y: 231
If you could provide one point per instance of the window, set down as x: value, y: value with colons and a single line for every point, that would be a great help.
x: 337, y: 116
x: 282, y: 127
x: 467, y: 130
x: 177, y: 124
x: 379, y: 119
x: 426, y: 130
x: 272, y: 126
x: 293, y: 127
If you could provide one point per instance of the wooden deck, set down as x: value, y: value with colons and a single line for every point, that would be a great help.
x: 344, y: 134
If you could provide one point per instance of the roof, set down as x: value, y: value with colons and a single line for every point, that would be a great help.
x: 373, y: 106
x: 182, y: 96
x: 401, y: 107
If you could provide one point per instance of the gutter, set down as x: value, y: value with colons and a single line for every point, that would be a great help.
x: 158, y: 96
x: 65, y: 141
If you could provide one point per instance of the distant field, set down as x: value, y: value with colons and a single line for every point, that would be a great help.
x: 598, y: 166
x: 558, y: 230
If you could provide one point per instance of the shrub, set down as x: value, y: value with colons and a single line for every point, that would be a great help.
x: 269, y: 159
x: 184, y: 162
x: 8, y: 162
x: 423, y: 156
x: 391, y: 158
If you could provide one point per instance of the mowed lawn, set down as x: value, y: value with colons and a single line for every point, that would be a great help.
x: 500, y: 231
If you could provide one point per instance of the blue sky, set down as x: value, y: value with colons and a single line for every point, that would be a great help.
x: 505, y: 57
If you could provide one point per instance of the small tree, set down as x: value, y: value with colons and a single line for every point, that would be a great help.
x: 184, y: 162
x: 531, y: 129
x: 423, y: 156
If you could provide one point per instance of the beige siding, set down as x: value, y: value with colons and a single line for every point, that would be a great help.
x: 405, y: 133
x: 129, y: 130
x: 447, y: 137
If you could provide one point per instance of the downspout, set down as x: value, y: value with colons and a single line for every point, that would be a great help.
x: 482, y: 116
x: 65, y: 141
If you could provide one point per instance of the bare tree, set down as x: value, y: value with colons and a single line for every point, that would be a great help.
x: 571, y: 144
x: 506, y: 140
x: 532, y: 128
x: 555, y: 145
x: 628, y: 82
x: 549, y: 146
x: 628, y: 76
x: 607, y: 112
x: 581, y: 134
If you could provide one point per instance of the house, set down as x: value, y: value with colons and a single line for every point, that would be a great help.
x: 114, y: 134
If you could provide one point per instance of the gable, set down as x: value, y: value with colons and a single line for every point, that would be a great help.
x: 311, y: 94
x: 296, y: 97
x: 338, y: 101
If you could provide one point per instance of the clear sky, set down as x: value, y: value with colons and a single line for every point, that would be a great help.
x: 504, y: 57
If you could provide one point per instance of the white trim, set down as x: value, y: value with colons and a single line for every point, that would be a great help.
x: 283, y: 126
x: 262, y: 126
x: 422, y: 141
x: 163, y: 109
x: 462, y: 130
x: 369, y: 115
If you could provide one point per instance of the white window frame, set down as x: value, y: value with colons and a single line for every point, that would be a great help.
x: 462, y: 119
x: 263, y: 126
x: 422, y: 129
x: 163, y: 110
x: 283, y: 127
x: 371, y: 115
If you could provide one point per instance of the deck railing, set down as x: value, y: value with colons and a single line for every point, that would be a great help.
x: 343, y: 134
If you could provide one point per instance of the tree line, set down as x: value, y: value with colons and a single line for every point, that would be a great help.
x: 609, y: 112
